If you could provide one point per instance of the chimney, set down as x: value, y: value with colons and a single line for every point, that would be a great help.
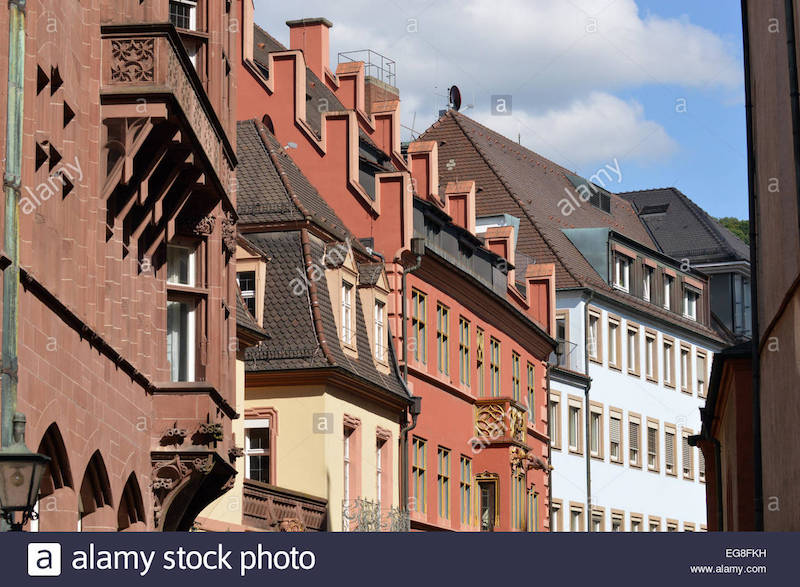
x: 312, y: 37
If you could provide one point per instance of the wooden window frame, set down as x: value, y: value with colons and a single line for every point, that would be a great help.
x: 442, y: 339
x: 480, y: 360
x: 466, y: 491
x: 530, y: 379
x: 516, y: 376
x: 495, y: 370
x: 419, y: 447
x: 464, y: 351
x: 443, y: 482
x: 419, y: 301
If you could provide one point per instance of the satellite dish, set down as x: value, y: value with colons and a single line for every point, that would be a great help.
x: 455, y: 98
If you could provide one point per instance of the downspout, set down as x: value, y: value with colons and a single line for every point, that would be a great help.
x: 415, y: 407
x: 751, y: 186
x: 549, y: 454
x: 587, y: 411
x: 11, y: 186
x: 718, y: 475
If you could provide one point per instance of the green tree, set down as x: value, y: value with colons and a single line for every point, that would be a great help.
x: 740, y: 228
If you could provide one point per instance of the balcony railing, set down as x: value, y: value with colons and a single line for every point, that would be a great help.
x: 272, y: 508
x: 363, y: 515
x: 567, y: 353
x: 499, y: 420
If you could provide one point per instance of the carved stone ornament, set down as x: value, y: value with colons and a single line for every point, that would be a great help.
x: 518, y: 459
x: 291, y: 525
x: 229, y: 232
x: 133, y: 60
x: 517, y: 425
x: 167, y: 475
x: 198, y: 225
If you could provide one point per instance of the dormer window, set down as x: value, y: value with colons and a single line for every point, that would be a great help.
x: 183, y: 14
x: 690, y: 304
x: 247, y: 285
x: 380, y: 331
x: 622, y: 272
x: 347, y: 312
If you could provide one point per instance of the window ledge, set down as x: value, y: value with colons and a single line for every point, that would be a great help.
x: 188, y: 289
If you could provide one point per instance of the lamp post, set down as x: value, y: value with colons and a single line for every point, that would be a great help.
x: 20, y: 473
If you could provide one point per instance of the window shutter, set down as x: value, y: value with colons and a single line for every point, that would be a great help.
x: 687, y: 453
x: 637, y: 275
x: 677, y: 295
x: 634, y: 435
x: 657, y: 287
x: 651, y: 440
x: 701, y: 462
x: 669, y: 441
x: 615, y: 430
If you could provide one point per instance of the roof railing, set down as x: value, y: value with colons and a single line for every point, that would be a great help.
x: 375, y: 65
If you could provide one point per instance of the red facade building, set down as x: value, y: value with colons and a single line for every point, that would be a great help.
x: 477, y: 334
x: 126, y: 321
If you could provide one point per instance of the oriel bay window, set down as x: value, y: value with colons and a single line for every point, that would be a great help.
x: 185, y: 304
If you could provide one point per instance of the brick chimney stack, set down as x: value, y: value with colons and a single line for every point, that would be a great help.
x: 312, y: 37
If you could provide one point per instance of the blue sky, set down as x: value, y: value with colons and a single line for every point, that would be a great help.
x: 655, y: 85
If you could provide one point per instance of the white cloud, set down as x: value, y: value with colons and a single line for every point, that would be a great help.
x: 542, y: 52
x: 591, y: 131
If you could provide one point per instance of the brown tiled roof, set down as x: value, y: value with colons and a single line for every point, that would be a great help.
x: 512, y: 179
x: 262, y: 196
x: 295, y: 343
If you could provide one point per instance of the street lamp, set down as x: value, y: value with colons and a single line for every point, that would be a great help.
x: 20, y: 473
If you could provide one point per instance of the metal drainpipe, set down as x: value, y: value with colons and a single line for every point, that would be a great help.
x: 758, y: 504
x: 414, y: 411
x: 408, y: 428
x: 550, y: 454
x: 588, y: 414
x: 11, y: 186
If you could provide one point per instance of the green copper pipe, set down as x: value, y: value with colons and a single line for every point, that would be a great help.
x: 11, y: 186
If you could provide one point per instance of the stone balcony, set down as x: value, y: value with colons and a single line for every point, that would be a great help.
x: 271, y: 508
x: 500, y: 421
x: 146, y: 68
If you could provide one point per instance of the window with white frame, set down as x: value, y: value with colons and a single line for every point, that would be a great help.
x: 348, y: 438
x: 594, y: 337
x: 650, y: 356
x: 633, y: 349
x: 257, y: 450
x: 634, y: 441
x: 647, y: 283
x: 686, y: 369
x: 380, y: 330
x: 614, y: 343
x: 701, y: 375
x: 615, y: 435
x: 379, y: 469
x: 669, y: 451
x: 183, y: 14
x: 668, y: 283
x: 574, y: 426
x: 652, y: 446
x: 181, y: 314
x: 669, y: 363
x: 247, y: 285
x: 622, y: 272
x: 596, y: 430
x: 347, y: 312
x: 690, y: 304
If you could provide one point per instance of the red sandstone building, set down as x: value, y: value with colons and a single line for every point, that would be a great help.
x: 477, y: 336
x: 126, y: 325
